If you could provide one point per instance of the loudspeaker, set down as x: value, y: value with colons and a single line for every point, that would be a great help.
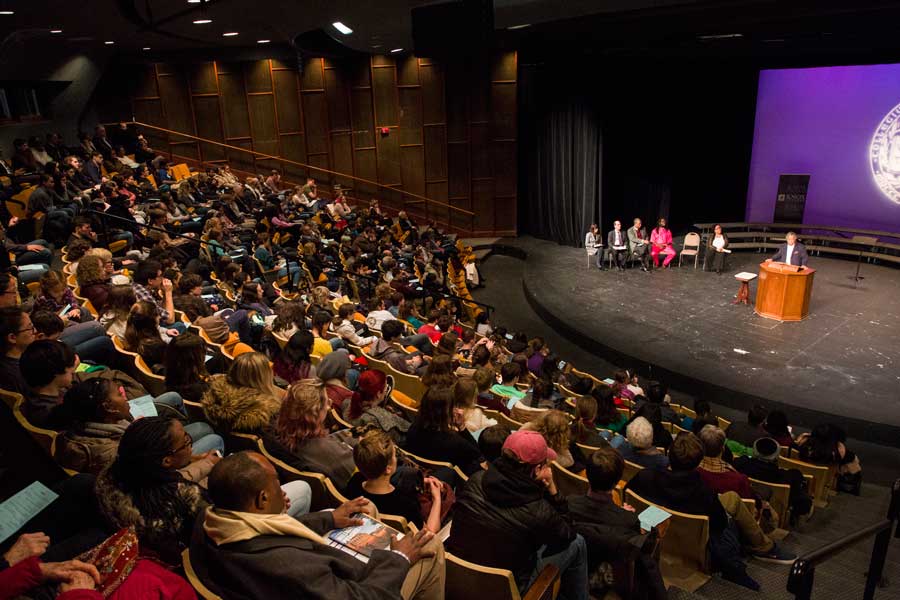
x: 462, y: 28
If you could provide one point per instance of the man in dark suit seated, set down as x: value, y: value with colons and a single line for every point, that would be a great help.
x: 764, y: 467
x: 792, y: 253
x: 613, y: 534
x: 246, y: 545
x: 617, y: 242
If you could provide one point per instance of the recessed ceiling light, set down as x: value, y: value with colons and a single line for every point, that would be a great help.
x: 145, y: 48
x: 56, y: 31
x: 522, y: 26
x: 342, y: 28
x: 720, y: 36
x: 7, y: 12
x: 193, y: 1
x: 229, y: 34
x: 263, y: 41
x: 109, y: 43
x: 396, y: 50
x: 202, y: 21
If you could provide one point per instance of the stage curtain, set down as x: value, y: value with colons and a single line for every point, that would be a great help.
x: 560, y: 162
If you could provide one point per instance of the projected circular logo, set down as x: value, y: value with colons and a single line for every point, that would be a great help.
x: 884, y: 155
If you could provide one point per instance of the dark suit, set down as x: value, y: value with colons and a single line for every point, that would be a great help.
x: 280, y: 566
x: 92, y: 173
x: 618, y: 255
x: 799, y: 257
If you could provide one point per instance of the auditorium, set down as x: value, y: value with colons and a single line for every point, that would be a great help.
x: 450, y: 300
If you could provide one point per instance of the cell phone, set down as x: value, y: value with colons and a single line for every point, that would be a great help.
x: 509, y: 336
x: 561, y: 365
x: 67, y: 308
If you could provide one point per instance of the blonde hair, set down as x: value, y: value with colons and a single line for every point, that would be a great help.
x: 554, y: 426
x: 251, y: 369
x: 101, y: 253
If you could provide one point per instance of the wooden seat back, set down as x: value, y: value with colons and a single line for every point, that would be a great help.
x: 684, y: 559
x: 567, y: 482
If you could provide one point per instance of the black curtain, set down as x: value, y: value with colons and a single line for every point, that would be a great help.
x: 560, y: 160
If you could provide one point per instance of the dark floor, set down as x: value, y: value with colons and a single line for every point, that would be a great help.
x: 841, y: 578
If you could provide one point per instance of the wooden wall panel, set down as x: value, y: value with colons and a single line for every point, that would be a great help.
x: 315, y: 111
x: 257, y: 77
x: 452, y: 131
x: 293, y: 147
x: 435, y: 153
x: 234, y: 105
x: 361, y: 118
x: 312, y: 77
x: 342, y: 156
x: 432, y: 79
x: 410, y: 116
x: 209, y: 125
x: 480, y: 148
x: 458, y: 170
x: 408, y: 70
x: 503, y: 168
x: 262, y: 121
x: 145, y: 80
x: 176, y: 102
x: 503, y: 111
x: 412, y: 169
x: 287, y: 102
x: 384, y: 95
x: 388, y: 148
x: 203, y: 78
x: 338, y: 100
x: 483, y: 205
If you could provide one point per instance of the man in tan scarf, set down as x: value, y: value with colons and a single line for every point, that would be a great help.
x: 244, y: 545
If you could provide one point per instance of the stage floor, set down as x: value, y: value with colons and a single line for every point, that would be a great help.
x: 680, y: 325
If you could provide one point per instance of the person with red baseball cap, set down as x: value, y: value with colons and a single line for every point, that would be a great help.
x: 511, y: 516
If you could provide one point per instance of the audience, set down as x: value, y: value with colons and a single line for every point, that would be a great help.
x: 511, y: 516
x: 439, y: 433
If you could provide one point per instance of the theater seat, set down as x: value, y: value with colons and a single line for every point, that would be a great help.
x: 567, y: 482
x: 464, y: 578
x: 684, y: 560
x: 202, y: 591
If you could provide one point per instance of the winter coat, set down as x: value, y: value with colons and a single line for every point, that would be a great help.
x: 236, y: 408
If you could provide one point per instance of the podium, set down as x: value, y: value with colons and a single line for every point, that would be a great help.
x: 783, y: 292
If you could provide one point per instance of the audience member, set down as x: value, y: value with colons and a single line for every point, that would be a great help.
x: 640, y: 449
x: 246, y: 398
x: 439, y: 433
x: 367, y: 407
x: 511, y: 516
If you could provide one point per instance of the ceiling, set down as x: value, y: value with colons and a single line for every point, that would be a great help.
x: 154, y: 28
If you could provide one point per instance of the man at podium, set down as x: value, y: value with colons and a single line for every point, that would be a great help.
x: 791, y: 253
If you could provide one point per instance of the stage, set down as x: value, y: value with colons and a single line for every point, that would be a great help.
x: 679, y: 325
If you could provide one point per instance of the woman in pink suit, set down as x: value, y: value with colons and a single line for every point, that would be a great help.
x: 661, y: 243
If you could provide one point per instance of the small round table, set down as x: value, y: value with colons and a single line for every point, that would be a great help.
x: 743, y: 295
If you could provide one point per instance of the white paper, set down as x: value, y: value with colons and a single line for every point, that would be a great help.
x: 22, y: 507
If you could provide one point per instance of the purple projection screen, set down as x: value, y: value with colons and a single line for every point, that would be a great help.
x: 840, y: 125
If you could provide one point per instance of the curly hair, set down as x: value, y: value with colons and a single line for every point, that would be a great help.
x: 90, y: 270
x: 302, y: 414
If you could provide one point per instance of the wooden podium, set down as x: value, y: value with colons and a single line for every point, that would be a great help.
x: 783, y: 292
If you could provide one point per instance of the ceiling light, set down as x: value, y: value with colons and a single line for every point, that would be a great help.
x: 396, y: 50
x: 263, y: 41
x: 342, y: 28
x: 229, y: 34
x: 145, y: 48
x: 56, y: 31
x: 109, y: 43
x: 7, y: 12
x: 193, y: 1
x: 202, y: 21
x: 522, y: 26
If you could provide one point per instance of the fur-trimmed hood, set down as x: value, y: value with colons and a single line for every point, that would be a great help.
x: 233, y: 408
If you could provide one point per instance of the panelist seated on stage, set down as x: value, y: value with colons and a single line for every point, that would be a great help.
x: 792, y: 252
x: 618, y: 245
x: 593, y: 243
x: 639, y: 244
x: 661, y: 243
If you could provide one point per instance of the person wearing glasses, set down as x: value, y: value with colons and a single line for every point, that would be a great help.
x: 16, y: 334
